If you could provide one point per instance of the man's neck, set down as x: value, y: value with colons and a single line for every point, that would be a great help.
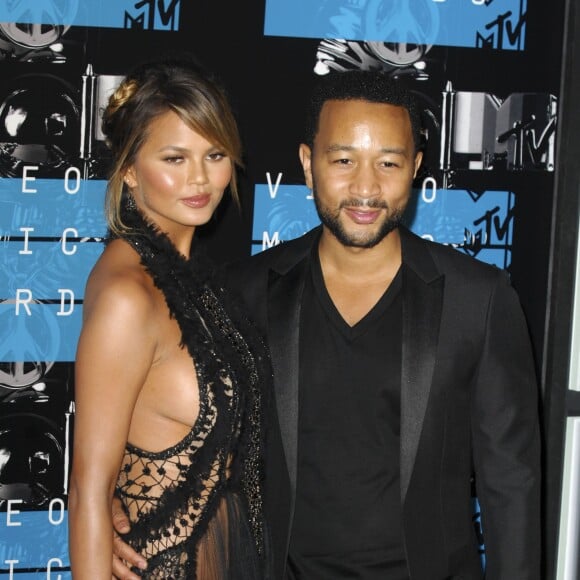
x: 360, y: 263
x: 356, y: 278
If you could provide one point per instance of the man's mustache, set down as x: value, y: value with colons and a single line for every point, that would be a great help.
x: 371, y: 203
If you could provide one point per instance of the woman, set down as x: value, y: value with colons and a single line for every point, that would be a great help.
x: 168, y: 372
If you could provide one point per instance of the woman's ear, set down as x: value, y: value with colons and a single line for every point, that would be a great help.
x: 129, y: 178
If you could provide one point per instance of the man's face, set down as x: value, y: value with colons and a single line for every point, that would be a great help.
x: 361, y: 169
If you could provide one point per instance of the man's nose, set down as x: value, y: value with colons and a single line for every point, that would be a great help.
x: 365, y: 182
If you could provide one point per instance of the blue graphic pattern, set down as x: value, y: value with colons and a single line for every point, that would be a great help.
x: 50, y: 238
x: 47, y: 269
x: 50, y: 209
x: 142, y: 14
x: 39, y: 333
x: 49, y: 545
x: 479, y: 225
x: 466, y: 23
x: 282, y: 216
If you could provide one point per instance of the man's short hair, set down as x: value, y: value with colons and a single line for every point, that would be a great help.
x: 371, y: 86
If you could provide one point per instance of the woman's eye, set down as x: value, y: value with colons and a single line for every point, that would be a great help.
x: 217, y: 155
x: 174, y: 159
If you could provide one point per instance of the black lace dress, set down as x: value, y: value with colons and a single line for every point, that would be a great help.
x: 196, y: 508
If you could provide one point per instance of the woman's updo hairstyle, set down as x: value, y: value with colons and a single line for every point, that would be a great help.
x: 152, y: 89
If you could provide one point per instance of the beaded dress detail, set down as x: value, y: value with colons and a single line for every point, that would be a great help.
x: 196, y: 507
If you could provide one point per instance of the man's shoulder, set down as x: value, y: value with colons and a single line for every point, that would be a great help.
x: 283, y: 255
x: 248, y: 278
x: 454, y: 260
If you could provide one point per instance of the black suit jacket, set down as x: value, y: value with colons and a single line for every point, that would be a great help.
x: 468, y: 406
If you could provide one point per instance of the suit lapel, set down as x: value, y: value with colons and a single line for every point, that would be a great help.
x: 284, y: 297
x: 422, y: 303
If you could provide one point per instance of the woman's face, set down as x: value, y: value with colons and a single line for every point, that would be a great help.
x: 178, y: 177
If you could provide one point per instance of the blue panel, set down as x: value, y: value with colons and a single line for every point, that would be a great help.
x: 47, y: 268
x: 54, y: 574
x: 47, y: 207
x: 467, y: 23
x: 480, y: 225
x: 39, y: 333
x: 281, y: 214
x: 142, y: 14
x: 40, y: 537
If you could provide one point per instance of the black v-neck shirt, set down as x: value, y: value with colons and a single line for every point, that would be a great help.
x: 347, y: 521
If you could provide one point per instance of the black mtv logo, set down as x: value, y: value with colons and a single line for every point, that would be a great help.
x: 503, y: 32
x: 492, y: 232
x: 148, y: 10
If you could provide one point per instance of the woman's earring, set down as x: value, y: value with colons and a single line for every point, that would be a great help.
x: 128, y: 193
x: 130, y: 202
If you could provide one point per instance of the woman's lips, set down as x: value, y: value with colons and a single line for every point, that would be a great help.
x: 197, y: 201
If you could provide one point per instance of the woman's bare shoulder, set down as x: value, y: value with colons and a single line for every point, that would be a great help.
x: 119, y: 280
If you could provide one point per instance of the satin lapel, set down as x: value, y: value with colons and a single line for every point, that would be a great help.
x: 422, y: 302
x: 284, y: 297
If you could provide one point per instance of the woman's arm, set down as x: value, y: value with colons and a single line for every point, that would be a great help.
x: 115, y: 352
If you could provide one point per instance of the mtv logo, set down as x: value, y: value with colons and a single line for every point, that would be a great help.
x: 153, y: 15
x: 483, y: 132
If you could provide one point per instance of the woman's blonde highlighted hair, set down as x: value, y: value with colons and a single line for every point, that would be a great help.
x: 177, y: 85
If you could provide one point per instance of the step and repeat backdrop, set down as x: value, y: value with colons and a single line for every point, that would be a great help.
x: 485, y: 72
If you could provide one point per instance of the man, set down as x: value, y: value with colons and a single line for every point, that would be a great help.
x: 402, y: 371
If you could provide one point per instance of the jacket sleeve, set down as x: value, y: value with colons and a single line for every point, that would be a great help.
x: 506, y: 441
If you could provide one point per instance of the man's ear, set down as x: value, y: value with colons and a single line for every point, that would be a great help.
x: 418, y: 159
x: 305, y: 154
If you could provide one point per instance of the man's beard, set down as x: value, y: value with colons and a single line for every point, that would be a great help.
x: 331, y: 220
